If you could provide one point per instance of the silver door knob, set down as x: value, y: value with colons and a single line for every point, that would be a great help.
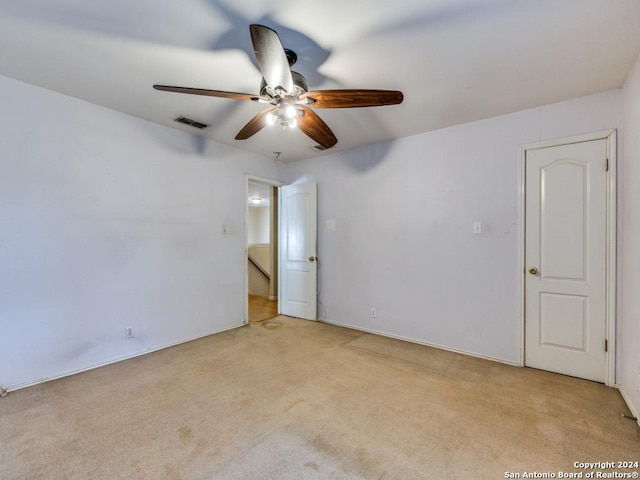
x: 533, y: 270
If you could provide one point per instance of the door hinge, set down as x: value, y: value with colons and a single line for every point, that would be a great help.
x: 606, y: 165
x: 606, y: 345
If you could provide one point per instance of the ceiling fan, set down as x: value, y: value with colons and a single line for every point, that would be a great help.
x: 288, y: 95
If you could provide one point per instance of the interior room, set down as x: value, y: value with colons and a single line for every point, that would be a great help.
x: 262, y: 259
x: 137, y: 223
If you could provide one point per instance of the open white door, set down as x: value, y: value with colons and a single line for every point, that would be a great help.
x: 298, y: 273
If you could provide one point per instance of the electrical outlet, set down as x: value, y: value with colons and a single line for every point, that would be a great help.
x: 128, y: 332
x: 374, y: 314
x: 3, y: 391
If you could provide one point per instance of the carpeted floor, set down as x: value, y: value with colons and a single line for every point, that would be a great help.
x: 291, y: 399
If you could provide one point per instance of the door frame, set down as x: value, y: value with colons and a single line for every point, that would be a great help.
x: 611, y: 241
x: 247, y: 179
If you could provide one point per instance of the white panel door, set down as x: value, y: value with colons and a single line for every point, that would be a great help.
x: 298, y: 238
x: 565, y: 254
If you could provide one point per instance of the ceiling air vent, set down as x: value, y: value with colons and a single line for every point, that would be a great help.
x: 318, y: 148
x: 191, y: 122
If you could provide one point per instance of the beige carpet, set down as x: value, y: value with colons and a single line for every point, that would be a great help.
x: 290, y: 399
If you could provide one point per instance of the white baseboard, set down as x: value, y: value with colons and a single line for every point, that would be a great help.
x: 20, y: 386
x: 625, y: 397
x: 426, y: 344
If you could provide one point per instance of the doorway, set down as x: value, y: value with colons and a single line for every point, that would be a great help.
x: 262, y: 249
x: 568, y: 256
x: 281, y: 249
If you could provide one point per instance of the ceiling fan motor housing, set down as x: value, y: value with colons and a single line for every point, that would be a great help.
x: 299, y: 85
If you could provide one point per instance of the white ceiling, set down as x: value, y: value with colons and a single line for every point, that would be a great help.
x: 455, y: 60
x: 259, y: 190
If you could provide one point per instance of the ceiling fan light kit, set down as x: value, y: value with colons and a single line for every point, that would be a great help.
x: 288, y: 94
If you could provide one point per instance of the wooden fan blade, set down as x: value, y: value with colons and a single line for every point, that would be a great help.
x: 271, y: 58
x: 208, y: 93
x: 314, y: 127
x: 254, y: 125
x: 353, y: 98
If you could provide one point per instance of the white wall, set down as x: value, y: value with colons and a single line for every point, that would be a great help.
x: 404, y: 214
x: 108, y: 221
x: 629, y: 315
x: 258, y: 225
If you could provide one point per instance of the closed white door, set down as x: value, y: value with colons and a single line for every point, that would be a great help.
x: 298, y: 262
x: 565, y: 259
